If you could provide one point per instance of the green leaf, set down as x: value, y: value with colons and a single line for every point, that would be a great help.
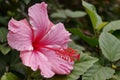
x: 4, y: 61
x: 2, y: 66
x: 82, y: 66
x: 3, y: 34
x: 112, y: 26
x: 75, y: 46
x: 59, y: 14
x: 98, y: 72
x: 102, y: 25
x: 9, y: 76
x: 90, y: 40
x: 36, y: 75
x: 15, y: 58
x: 110, y: 46
x: 117, y: 76
x: 16, y: 64
x: 3, y: 20
x: 91, y: 10
x: 68, y: 13
x: 12, y: 62
x: 26, y: 1
x: 5, y: 49
x: 74, y: 14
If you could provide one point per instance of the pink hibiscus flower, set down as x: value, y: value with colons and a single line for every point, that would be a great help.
x: 42, y: 44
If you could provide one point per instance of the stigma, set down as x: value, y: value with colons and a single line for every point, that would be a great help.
x: 68, y: 54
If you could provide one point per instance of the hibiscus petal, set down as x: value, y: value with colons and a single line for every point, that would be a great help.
x: 59, y: 65
x: 37, y: 60
x: 20, y: 35
x: 39, y: 19
x: 28, y: 59
x: 57, y: 35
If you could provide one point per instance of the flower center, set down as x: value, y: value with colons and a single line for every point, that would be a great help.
x: 37, y: 45
x: 68, y: 54
x: 71, y: 53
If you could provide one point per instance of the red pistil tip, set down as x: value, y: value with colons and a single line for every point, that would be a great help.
x: 71, y: 53
x: 68, y: 54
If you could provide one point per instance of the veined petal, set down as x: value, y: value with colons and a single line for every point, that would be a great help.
x: 57, y: 35
x: 59, y: 65
x: 20, y: 35
x: 39, y: 19
x: 28, y: 58
x: 37, y: 60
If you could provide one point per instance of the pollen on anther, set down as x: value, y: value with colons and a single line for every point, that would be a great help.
x: 71, y: 53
